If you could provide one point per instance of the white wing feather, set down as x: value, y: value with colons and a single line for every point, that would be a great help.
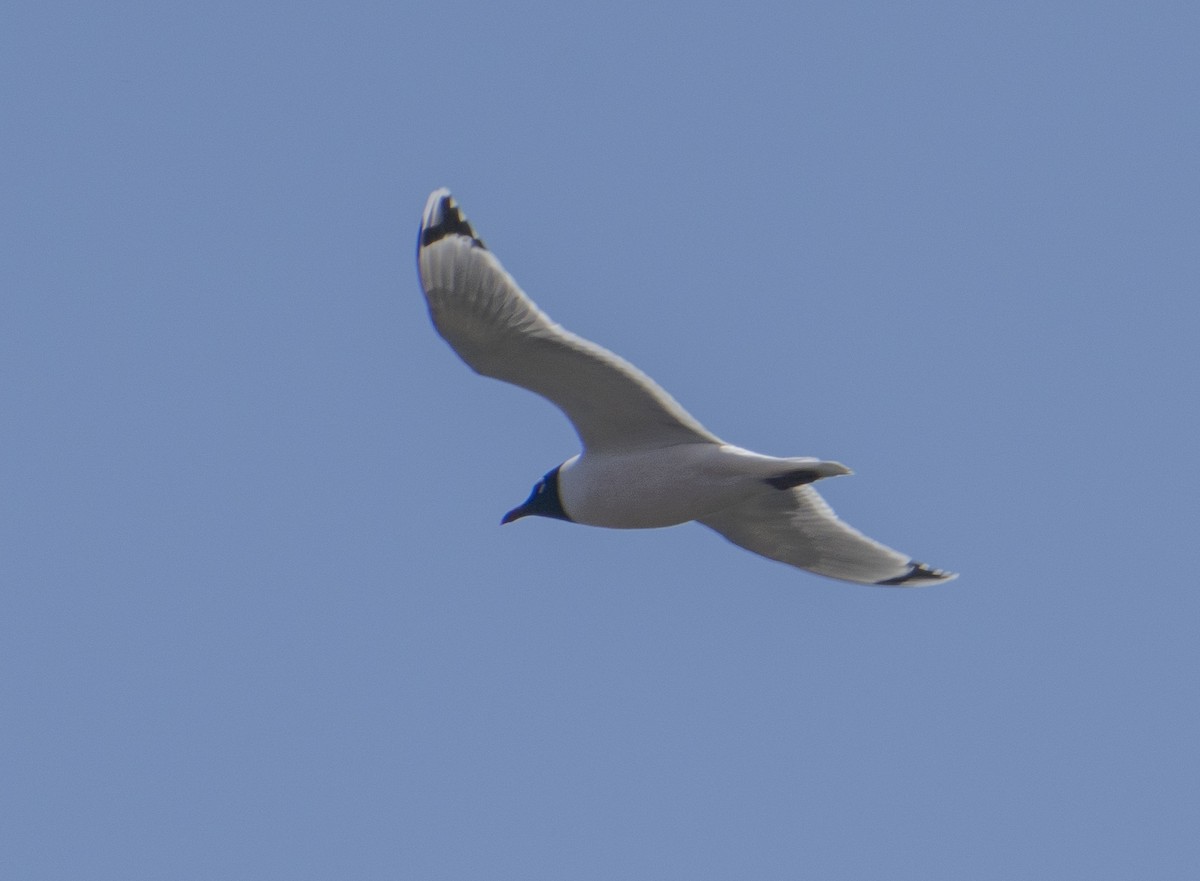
x: 797, y: 527
x: 499, y: 332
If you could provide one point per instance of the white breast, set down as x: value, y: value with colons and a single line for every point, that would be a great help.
x: 662, y: 487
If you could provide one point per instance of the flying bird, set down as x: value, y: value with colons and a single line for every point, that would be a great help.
x: 646, y: 462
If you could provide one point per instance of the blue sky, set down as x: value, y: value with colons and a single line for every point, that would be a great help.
x: 258, y: 619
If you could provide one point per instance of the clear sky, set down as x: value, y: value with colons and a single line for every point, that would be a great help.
x: 258, y: 618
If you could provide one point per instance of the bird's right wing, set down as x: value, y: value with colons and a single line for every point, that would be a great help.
x: 797, y: 527
x: 499, y: 332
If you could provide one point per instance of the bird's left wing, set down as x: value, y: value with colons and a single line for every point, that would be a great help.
x: 486, y: 318
x: 797, y: 527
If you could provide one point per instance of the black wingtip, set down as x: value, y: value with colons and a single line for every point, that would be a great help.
x: 443, y: 218
x: 919, y: 574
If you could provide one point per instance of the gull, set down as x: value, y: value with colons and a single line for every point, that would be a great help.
x: 646, y: 462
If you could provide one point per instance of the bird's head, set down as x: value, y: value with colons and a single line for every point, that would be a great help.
x: 544, y: 501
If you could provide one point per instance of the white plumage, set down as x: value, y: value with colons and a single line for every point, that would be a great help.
x: 646, y: 462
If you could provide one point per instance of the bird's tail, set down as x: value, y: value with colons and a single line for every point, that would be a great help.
x: 806, y: 471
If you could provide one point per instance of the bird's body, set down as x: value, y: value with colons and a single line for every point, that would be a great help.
x: 646, y: 462
x: 643, y: 489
